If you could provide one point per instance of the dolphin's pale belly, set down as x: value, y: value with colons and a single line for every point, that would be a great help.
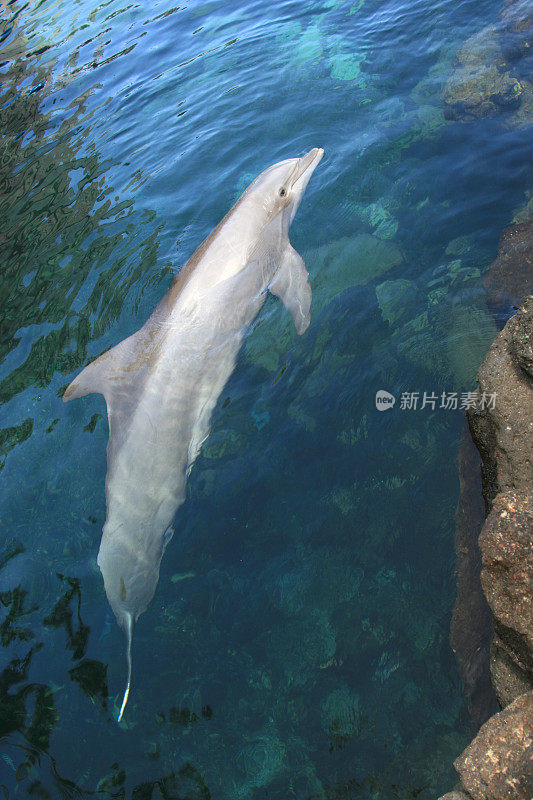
x: 146, y: 480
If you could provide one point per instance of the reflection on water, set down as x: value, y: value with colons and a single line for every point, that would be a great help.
x: 298, y: 642
x: 60, y: 222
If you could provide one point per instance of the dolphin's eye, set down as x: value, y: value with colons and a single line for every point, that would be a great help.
x: 282, y: 191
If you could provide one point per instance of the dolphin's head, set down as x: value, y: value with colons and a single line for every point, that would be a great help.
x: 280, y: 188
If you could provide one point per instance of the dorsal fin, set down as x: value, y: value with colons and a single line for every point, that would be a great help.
x: 115, y: 369
x: 119, y: 375
x: 91, y: 379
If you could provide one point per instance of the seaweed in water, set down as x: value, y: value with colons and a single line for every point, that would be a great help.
x: 91, y: 676
x: 48, y: 213
x: 10, y: 437
x: 186, y: 783
x: 8, y: 633
x: 61, y: 616
x: 91, y: 425
x: 14, y: 712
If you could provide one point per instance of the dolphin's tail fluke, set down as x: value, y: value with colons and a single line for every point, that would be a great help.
x: 129, y: 636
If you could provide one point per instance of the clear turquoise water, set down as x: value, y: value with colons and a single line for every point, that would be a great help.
x: 297, y: 645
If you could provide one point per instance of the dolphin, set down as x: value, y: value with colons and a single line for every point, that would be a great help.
x: 162, y: 383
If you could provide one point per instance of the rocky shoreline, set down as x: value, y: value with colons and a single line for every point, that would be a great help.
x: 492, y: 624
x: 498, y: 764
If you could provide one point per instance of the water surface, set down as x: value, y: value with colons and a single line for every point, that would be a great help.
x: 297, y: 645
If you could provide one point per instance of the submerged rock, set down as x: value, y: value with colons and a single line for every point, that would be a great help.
x: 489, y: 76
x: 262, y: 760
x: 341, y: 717
x: 430, y: 88
x: 305, y: 643
x: 479, y: 92
x: 459, y: 246
x: 524, y: 212
x: 383, y: 223
x: 397, y: 299
x: 481, y: 48
x: 517, y: 29
x: 509, y: 278
x: 307, y: 48
x: 352, y: 262
x: 223, y: 443
x: 415, y: 341
x: 456, y: 794
x: 480, y: 85
x: 347, y: 67
x: 376, y: 216
x: 524, y: 115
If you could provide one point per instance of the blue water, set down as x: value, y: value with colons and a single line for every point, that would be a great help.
x: 297, y: 645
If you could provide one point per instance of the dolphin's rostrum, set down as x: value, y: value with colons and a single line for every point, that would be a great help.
x: 162, y: 383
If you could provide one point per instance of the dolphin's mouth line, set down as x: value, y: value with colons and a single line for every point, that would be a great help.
x: 306, y: 166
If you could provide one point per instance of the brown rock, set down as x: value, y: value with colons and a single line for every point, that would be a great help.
x: 497, y: 765
x: 508, y: 678
x: 455, y: 794
x: 504, y: 434
x: 522, y: 343
x: 506, y: 544
x: 504, y: 437
x: 509, y: 278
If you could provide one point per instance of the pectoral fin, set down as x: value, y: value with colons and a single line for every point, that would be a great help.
x: 292, y: 287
